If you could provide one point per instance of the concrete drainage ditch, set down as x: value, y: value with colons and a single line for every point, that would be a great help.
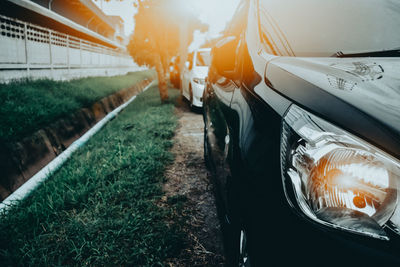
x: 21, y: 160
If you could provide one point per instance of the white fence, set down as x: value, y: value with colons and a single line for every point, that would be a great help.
x: 38, y: 52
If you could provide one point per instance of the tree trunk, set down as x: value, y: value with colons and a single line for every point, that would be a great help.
x: 183, y: 44
x: 162, y: 81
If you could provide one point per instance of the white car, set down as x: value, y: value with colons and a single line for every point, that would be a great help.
x: 193, y: 76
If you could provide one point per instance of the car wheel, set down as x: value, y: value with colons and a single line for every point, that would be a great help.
x: 191, y: 98
x: 206, y: 149
x: 244, y: 260
x: 236, y: 245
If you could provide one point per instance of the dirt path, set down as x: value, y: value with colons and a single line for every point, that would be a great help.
x: 188, y: 177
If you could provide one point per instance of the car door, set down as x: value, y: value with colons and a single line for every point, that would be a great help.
x: 219, y: 117
x: 186, y: 76
x: 218, y: 95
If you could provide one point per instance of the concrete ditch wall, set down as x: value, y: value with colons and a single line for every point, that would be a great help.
x: 22, y: 160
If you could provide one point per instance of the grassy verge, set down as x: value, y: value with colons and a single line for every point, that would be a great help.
x: 100, y: 208
x: 27, y: 106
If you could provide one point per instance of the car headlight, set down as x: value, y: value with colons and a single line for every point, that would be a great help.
x: 199, y: 81
x: 337, y: 179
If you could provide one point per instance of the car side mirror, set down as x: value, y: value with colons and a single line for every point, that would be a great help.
x: 224, y: 56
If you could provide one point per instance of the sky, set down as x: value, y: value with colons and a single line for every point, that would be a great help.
x: 124, y: 9
x: 216, y: 13
x: 213, y: 12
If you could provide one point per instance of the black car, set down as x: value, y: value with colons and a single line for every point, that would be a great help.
x: 302, y: 132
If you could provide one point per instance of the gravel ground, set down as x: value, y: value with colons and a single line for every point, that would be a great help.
x: 189, y: 178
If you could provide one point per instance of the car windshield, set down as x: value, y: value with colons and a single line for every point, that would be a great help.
x: 323, y: 28
x: 203, y: 58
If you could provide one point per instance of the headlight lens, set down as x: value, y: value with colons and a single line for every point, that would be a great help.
x: 338, y: 180
x: 199, y: 81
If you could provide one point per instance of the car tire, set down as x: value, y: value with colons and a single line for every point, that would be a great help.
x: 236, y: 243
x: 191, y: 98
x: 243, y: 258
x: 235, y: 226
x: 206, y: 149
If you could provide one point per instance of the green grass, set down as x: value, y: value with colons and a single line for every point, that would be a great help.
x: 100, y: 208
x: 27, y: 106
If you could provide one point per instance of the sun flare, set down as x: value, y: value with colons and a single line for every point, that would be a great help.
x: 214, y: 13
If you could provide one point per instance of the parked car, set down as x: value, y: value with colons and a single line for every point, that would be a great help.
x: 174, y: 73
x: 302, y: 132
x: 193, y: 76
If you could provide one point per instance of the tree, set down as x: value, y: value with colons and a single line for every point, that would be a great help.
x: 157, y: 34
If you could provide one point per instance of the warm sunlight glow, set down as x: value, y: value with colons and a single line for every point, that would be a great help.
x: 215, y: 13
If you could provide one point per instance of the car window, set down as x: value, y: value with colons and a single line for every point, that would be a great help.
x: 323, y: 28
x: 203, y: 58
x: 238, y: 22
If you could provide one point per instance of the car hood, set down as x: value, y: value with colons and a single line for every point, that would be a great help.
x: 372, y: 85
x: 199, y: 72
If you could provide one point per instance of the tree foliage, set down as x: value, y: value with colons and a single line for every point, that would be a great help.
x: 159, y: 29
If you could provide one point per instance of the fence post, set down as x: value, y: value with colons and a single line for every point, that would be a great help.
x: 68, y: 64
x: 26, y: 49
x: 80, y: 52
x: 51, y: 55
